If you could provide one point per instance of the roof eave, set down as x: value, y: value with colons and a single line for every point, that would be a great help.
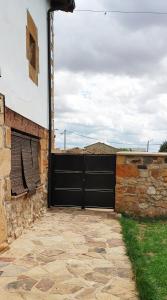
x: 64, y: 5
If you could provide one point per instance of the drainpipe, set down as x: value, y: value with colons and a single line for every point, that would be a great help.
x: 50, y: 108
x: 50, y: 97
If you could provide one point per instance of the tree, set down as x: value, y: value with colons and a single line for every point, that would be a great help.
x: 163, y: 147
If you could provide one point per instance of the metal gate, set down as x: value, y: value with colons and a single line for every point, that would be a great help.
x: 83, y: 180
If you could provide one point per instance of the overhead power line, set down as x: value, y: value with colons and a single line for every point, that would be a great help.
x: 111, y: 142
x: 123, y: 12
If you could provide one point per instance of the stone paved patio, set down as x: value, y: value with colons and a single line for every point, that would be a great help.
x: 68, y: 254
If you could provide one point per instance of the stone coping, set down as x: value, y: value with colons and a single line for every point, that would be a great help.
x: 124, y: 153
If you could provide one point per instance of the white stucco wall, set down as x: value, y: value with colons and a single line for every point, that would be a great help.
x: 21, y: 94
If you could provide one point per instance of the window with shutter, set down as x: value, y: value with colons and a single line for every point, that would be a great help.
x: 35, y: 161
x: 28, y: 164
x: 17, y: 178
x: 32, y: 48
x: 25, y: 174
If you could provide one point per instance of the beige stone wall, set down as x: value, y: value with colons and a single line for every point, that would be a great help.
x: 141, y: 184
x: 17, y: 213
x: 5, y: 161
x: 22, y: 211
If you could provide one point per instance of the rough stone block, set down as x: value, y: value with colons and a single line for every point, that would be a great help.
x: 143, y: 205
x: 1, y: 137
x: 127, y: 171
x: 161, y: 160
x: 163, y: 172
x: 120, y: 159
x: 2, y: 191
x: 165, y: 179
x: 144, y: 173
x: 2, y: 119
x: 8, y: 137
x: 142, y: 167
x: 44, y: 144
x: 151, y: 190
x: 134, y: 160
x: 148, y: 160
x: 141, y: 190
x: 131, y: 190
x: 155, y: 173
x: 3, y: 225
x: 5, y: 162
x: 7, y: 189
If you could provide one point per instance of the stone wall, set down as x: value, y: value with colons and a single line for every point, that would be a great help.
x: 141, y: 184
x: 22, y: 211
x: 5, y: 162
x: 17, y: 213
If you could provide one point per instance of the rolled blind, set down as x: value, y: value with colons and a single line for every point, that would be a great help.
x: 17, y: 181
x: 35, y: 161
x: 25, y: 175
x: 28, y: 164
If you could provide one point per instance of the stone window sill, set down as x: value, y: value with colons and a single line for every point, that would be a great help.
x: 19, y: 196
x: 38, y: 188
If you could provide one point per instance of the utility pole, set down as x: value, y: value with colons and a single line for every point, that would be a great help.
x: 65, y: 139
x: 148, y: 144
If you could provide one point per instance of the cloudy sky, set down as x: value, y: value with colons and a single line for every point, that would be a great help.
x: 111, y: 74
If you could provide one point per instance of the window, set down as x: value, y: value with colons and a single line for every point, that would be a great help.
x: 25, y: 175
x: 32, y: 48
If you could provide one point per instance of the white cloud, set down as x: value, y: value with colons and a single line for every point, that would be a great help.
x: 111, y: 75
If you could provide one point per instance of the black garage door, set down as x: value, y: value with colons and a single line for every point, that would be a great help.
x: 83, y: 180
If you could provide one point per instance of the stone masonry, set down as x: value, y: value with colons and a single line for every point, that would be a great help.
x: 5, y: 160
x: 141, y: 184
x: 17, y: 213
x: 23, y: 210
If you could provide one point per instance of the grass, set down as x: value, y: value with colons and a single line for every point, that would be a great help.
x: 146, y: 243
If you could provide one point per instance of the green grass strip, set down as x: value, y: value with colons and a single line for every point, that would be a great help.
x: 146, y: 244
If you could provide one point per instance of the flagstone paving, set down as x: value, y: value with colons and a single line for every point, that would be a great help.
x: 68, y: 254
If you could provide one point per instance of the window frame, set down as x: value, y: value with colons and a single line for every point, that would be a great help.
x: 32, y: 33
x: 27, y: 173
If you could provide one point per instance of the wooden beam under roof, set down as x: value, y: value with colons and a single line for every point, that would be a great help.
x: 64, y: 5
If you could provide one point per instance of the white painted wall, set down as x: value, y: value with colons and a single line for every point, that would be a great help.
x: 21, y: 94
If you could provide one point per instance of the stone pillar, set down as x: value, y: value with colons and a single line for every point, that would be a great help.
x: 5, y: 167
x: 44, y: 162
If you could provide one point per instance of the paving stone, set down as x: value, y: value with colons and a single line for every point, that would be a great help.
x: 87, y: 293
x: 37, y: 243
x: 13, y: 271
x: 105, y: 271
x: 115, y: 243
x: 97, y: 277
x: 66, y: 288
x: 6, y: 259
x: 100, y: 250
x: 52, y: 252
x: 24, y: 284
x: 45, y: 284
x: 103, y: 296
x: 3, y: 264
x: 68, y: 254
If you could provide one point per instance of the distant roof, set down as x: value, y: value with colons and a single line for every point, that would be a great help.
x: 99, y: 144
x: 64, y: 5
x: 101, y: 148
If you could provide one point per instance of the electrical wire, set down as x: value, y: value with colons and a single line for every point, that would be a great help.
x: 122, y: 12
x: 111, y: 142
